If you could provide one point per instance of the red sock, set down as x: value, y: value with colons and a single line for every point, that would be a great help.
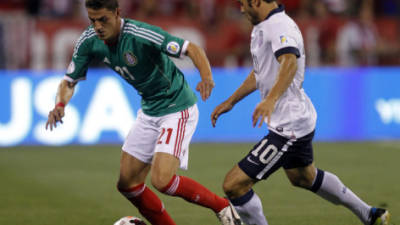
x: 194, y: 192
x: 148, y: 204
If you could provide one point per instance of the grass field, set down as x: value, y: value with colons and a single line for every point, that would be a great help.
x: 75, y: 185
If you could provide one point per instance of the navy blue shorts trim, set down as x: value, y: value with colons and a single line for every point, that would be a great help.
x: 275, y: 151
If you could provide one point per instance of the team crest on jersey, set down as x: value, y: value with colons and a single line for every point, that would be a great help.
x: 130, y: 59
x: 173, y: 47
x: 283, y: 39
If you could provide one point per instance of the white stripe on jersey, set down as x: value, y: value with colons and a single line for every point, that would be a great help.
x: 184, y: 48
x: 143, y: 36
x: 86, y: 35
x: 145, y: 30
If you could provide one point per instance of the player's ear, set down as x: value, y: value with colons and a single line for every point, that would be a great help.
x: 118, y: 12
x: 254, y: 3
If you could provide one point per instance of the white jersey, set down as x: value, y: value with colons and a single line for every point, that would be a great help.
x: 278, y: 34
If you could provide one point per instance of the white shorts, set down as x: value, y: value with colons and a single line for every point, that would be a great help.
x: 170, y: 134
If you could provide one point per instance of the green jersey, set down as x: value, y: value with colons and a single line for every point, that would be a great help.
x: 140, y: 57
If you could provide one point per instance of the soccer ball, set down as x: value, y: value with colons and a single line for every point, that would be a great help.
x: 130, y: 220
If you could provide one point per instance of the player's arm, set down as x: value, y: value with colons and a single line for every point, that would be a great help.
x: 176, y: 47
x: 76, y: 71
x: 287, y: 71
x: 199, y: 59
x: 247, y: 87
x: 64, y: 94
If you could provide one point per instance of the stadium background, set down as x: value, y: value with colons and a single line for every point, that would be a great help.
x: 353, y: 58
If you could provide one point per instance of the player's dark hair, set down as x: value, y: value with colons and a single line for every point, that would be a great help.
x: 100, y: 4
x: 268, y: 1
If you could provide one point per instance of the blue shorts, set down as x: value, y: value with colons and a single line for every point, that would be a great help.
x: 274, y: 151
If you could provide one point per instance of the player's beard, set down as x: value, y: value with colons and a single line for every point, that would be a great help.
x: 253, y: 18
x: 252, y: 15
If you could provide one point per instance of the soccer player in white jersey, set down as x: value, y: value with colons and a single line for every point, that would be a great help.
x: 278, y: 73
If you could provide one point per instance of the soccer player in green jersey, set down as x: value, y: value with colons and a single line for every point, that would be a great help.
x: 159, y: 139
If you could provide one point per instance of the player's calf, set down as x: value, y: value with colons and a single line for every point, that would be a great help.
x: 194, y: 192
x: 148, y: 204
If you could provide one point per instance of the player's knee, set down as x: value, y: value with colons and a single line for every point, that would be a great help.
x: 236, y: 183
x: 126, y: 182
x: 160, y: 181
x: 227, y: 187
x: 120, y: 185
x: 231, y: 189
x: 295, y: 182
x: 123, y: 184
x: 302, y: 182
x: 124, y: 188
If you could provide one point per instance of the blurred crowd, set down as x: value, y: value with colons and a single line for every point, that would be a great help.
x: 336, y: 32
x: 204, y: 9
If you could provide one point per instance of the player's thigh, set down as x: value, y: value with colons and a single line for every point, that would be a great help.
x: 132, y: 171
x: 142, y: 137
x: 299, y: 165
x: 237, y: 183
x: 267, y: 156
x: 300, y: 153
x: 177, y: 130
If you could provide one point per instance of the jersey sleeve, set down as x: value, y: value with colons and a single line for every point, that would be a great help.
x: 158, y: 38
x: 284, y: 41
x: 81, y: 58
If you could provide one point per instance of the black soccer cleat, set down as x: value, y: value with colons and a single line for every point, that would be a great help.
x: 379, y: 216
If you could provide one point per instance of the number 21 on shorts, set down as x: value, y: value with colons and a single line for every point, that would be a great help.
x: 162, y: 139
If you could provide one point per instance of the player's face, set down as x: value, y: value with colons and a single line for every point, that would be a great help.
x: 105, y: 22
x: 247, y: 9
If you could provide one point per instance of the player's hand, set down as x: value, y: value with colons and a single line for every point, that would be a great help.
x: 55, y: 116
x: 264, y: 109
x: 220, y: 109
x: 205, y: 87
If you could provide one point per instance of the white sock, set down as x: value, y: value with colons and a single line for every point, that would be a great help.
x: 333, y: 190
x: 250, y: 209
